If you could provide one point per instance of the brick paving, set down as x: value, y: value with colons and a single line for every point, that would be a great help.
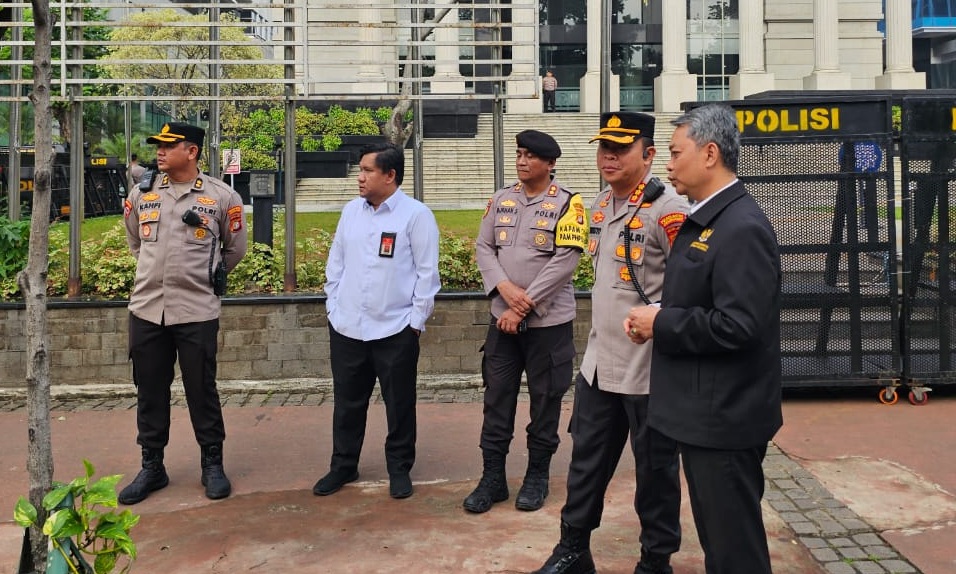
x: 840, y: 541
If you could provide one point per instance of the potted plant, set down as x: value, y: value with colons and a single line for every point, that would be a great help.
x: 80, y: 530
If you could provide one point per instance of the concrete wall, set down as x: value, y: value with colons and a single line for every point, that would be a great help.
x: 789, y: 41
x: 259, y: 338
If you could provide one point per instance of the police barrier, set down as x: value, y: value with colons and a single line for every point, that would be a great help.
x: 927, y: 154
x: 104, y: 185
x: 821, y: 170
x: 60, y: 183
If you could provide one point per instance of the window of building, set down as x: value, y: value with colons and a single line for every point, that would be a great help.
x: 713, y: 46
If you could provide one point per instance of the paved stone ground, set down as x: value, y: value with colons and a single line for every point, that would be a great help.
x: 838, y: 538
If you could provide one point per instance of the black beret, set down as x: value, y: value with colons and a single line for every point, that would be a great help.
x: 177, y: 132
x: 625, y: 127
x: 539, y: 143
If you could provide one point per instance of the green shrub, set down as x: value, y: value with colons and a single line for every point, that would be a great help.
x: 109, y: 269
x: 456, y: 264
x: 331, y: 142
x: 260, y: 271
x: 310, y: 143
x: 14, y: 248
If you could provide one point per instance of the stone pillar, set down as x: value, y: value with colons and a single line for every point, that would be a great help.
x: 590, y: 84
x: 447, y: 79
x: 675, y: 84
x: 526, y: 82
x: 371, y: 77
x: 826, y: 73
x: 752, y: 77
x: 899, y: 49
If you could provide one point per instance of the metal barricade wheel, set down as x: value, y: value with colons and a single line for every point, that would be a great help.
x: 919, y: 397
x: 888, y: 396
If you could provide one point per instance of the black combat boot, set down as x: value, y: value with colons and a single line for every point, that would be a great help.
x: 213, y: 476
x: 572, y: 555
x: 151, y: 478
x: 653, y: 563
x: 534, y: 489
x: 493, y: 486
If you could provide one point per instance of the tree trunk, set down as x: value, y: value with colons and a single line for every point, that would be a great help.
x: 397, y: 130
x: 33, y: 282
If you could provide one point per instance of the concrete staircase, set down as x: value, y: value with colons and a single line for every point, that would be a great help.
x: 459, y: 172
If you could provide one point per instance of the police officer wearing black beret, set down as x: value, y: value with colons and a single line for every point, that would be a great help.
x: 531, y: 238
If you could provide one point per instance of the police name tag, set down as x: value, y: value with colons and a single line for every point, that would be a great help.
x: 386, y: 246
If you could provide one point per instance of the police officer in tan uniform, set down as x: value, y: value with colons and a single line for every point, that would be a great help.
x: 633, y: 222
x: 531, y: 238
x: 186, y: 230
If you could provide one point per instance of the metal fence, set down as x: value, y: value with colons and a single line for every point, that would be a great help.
x: 928, y: 151
x: 258, y: 50
x: 820, y: 171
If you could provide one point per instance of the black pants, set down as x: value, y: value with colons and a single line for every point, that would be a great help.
x: 546, y: 354
x: 549, y: 100
x: 154, y: 349
x: 725, y: 489
x: 355, y: 366
x: 600, y: 425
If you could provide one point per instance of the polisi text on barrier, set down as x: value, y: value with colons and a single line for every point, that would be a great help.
x: 790, y: 120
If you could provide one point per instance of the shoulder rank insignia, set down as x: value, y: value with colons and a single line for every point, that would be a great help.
x: 198, y: 184
x: 165, y: 182
x: 552, y: 191
x: 518, y: 186
x: 605, y: 201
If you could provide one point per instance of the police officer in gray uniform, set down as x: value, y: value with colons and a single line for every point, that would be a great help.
x: 187, y: 231
x: 531, y: 238
x: 632, y: 224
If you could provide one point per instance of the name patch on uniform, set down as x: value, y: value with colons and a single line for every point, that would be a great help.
x: 571, y: 230
x: 671, y: 223
x: 386, y: 245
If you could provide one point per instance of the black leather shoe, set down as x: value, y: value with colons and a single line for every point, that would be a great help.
x: 333, y: 481
x: 400, y: 486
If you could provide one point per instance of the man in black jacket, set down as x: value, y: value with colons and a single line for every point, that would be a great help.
x: 715, y: 370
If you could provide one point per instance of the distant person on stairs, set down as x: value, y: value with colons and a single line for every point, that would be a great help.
x: 549, y: 86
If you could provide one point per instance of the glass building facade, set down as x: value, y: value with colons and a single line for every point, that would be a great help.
x: 934, y: 41
x: 636, y: 51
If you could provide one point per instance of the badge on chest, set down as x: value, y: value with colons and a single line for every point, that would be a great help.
x: 386, y: 245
